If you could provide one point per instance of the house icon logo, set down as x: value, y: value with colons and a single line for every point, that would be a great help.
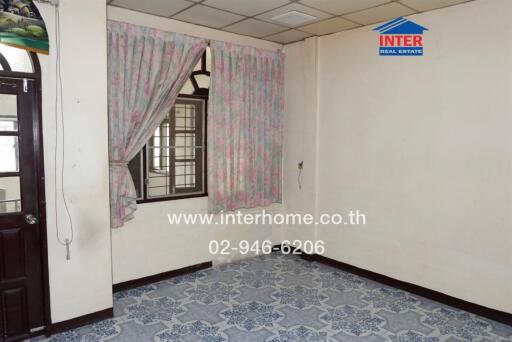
x: 400, y: 37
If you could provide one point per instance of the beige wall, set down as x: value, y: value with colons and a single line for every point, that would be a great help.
x: 300, y: 126
x: 83, y: 284
x: 422, y: 145
x: 148, y: 244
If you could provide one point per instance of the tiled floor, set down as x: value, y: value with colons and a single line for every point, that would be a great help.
x: 281, y: 298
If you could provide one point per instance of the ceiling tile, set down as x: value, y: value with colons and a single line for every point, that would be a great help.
x: 289, y: 36
x: 255, y: 28
x: 246, y: 7
x: 427, y: 5
x: 329, y: 26
x: 294, y: 7
x: 380, y: 13
x: 207, y: 16
x: 158, y: 7
x: 343, y: 6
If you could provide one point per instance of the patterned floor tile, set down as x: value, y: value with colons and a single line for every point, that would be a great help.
x: 305, y: 279
x: 236, y: 335
x: 163, y: 289
x: 403, y: 322
x: 197, y: 311
x: 338, y: 298
x: 250, y: 294
x: 281, y: 298
x: 309, y: 317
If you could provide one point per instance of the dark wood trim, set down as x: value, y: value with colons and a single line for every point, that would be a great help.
x: 171, y: 198
x: 9, y: 174
x: 4, y: 63
x: 496, y: 315
x: 130, y: 284
x: 36, y: 76
x: 195, y: 96
x: 77, y: 322
x: 38, y: 138
x: 9, y: 134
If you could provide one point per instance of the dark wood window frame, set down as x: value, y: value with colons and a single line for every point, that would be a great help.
x: 141, y: 178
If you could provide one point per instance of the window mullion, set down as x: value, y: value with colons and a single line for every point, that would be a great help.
x: 172, y: 152
x: 145, y: 173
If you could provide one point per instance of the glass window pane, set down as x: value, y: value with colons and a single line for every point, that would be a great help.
x: 10, y: 199
x: 135, y: 167
x: 188, y: 88
x: 198, y: 65
x: 9, y: 154
x: 185, y: 146
x: 185, y: 117
x: 177, y: 169
x: 203, y: 81
x: 185, y: 174
x: 18, y: 59
x: 158, y: 184
x: 208, y: 59
x: 8, y: 112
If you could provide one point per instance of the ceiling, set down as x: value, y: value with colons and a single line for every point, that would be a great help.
x: 261, y: 18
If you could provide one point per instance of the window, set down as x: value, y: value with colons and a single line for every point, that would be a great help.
x: 14, y: 62
x: 172, y: 165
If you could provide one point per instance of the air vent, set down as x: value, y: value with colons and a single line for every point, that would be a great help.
x: 293, y: 18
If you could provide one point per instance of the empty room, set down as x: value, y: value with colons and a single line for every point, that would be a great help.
x: 256, y: 170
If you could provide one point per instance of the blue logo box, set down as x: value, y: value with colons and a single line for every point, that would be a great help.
x: 401, y: 51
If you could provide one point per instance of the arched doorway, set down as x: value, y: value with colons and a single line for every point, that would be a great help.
x: 24, y: 309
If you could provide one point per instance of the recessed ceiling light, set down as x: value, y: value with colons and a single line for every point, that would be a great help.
x: 293, y: 18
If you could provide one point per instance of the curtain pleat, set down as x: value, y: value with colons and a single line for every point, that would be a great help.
x: 146, y: 70
x: 245, y: 127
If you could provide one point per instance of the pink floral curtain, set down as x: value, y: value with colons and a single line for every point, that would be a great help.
x: 146, y: 70
x: 245, y: 127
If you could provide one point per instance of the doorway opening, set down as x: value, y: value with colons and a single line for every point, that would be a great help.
x: 24, y: 289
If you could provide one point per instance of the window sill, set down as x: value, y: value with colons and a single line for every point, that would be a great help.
x: 170, y: 199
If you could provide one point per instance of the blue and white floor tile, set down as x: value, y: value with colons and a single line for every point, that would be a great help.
x: 281, y: 298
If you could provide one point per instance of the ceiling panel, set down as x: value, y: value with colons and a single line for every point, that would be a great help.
x: 255, y: 28
x: 343, y: 6
x: 294, y: 7
x: 380, y: 13
x: 208, y: 16
x: 329, y: 26
x: 254, y: 17
x: 246, y: 7
x: 158, y: 7
x: 289, y: 36
x: 427, y: 5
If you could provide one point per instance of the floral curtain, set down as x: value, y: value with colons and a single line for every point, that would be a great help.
x: 146, y: 70
x: 245, y: 124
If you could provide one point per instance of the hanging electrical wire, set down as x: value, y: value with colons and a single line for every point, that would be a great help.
x: 59, y: 104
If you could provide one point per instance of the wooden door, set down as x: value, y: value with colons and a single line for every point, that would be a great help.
x: 21, y: 242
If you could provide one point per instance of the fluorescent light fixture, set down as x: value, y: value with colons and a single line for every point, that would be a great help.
x: 293, y: 18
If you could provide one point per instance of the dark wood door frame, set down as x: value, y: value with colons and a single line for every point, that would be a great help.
x: 39, y: 174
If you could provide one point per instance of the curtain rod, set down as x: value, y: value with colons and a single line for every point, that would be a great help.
x: 208, y: 43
